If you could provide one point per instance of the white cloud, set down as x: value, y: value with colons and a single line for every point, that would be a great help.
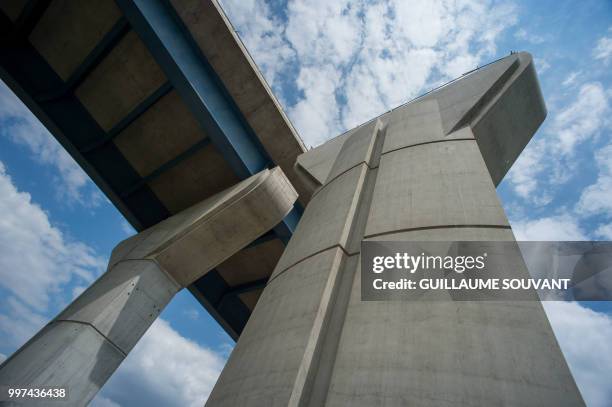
x: 582, y: 119
x: 2, y: 357
x: 579, y: 122
x: 603, y: 50
x: 323, y: 31
x: 541, y: 65
x: 192, y: 314
x: 353, y: 60
x: 23, y: 128
x: 555, y: 228
x: 262, y: 34
x: 317, y: 111
x: 18, y: 322
x: 597, y: 198
x: 36, y: 261
x: 164, y: 369
x: 522, y: 34
x: 528, y: 164
x: 571, y: 78
x: 101, y: 401
x: 39, y: 266
x: 584, y: 336
x: 604, y: 231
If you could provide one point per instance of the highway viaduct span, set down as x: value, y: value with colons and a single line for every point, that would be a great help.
x: 161, y: 104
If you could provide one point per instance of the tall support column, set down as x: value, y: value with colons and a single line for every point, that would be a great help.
x: 86, y: 342
x: 425, y: 171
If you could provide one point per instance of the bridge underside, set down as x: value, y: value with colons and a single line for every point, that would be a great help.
x: 161, y: 105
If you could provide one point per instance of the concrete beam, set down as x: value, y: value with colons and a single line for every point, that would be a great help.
x: 196, y: 82
x: 505, y: 125
x: 187, y: 71
x: 232, y: 63
x: 98, y: 83
x: 501, y: 103
x: 86, y: 342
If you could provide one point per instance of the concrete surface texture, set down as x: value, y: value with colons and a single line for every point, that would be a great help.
x: 424, y: 171
x: 217, y: 39
x: 86, y: 342
x: 157, y: 127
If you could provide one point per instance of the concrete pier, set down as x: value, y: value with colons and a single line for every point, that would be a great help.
x: 85, y: 343
x: 424, y: 171
x: 163, y: 107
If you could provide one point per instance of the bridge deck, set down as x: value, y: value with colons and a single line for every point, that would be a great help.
x: 162, y: 106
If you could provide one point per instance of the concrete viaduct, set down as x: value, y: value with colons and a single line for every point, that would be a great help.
x: 161, y: 104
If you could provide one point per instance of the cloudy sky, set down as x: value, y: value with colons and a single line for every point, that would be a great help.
x: 333, y: 65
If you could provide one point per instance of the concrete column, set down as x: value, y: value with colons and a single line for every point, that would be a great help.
x: 425, y: 171
x: 85, y: 343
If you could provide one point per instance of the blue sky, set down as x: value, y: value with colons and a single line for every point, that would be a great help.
x: 332, y: 65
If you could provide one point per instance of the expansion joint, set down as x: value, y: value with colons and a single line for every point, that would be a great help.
x: 508, y: 227
x: 336, y: 246
x: 429, y: 142
x: 124, y: 354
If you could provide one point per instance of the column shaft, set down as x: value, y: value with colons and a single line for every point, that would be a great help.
x: 311, y: 341
x: 86, y: 342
